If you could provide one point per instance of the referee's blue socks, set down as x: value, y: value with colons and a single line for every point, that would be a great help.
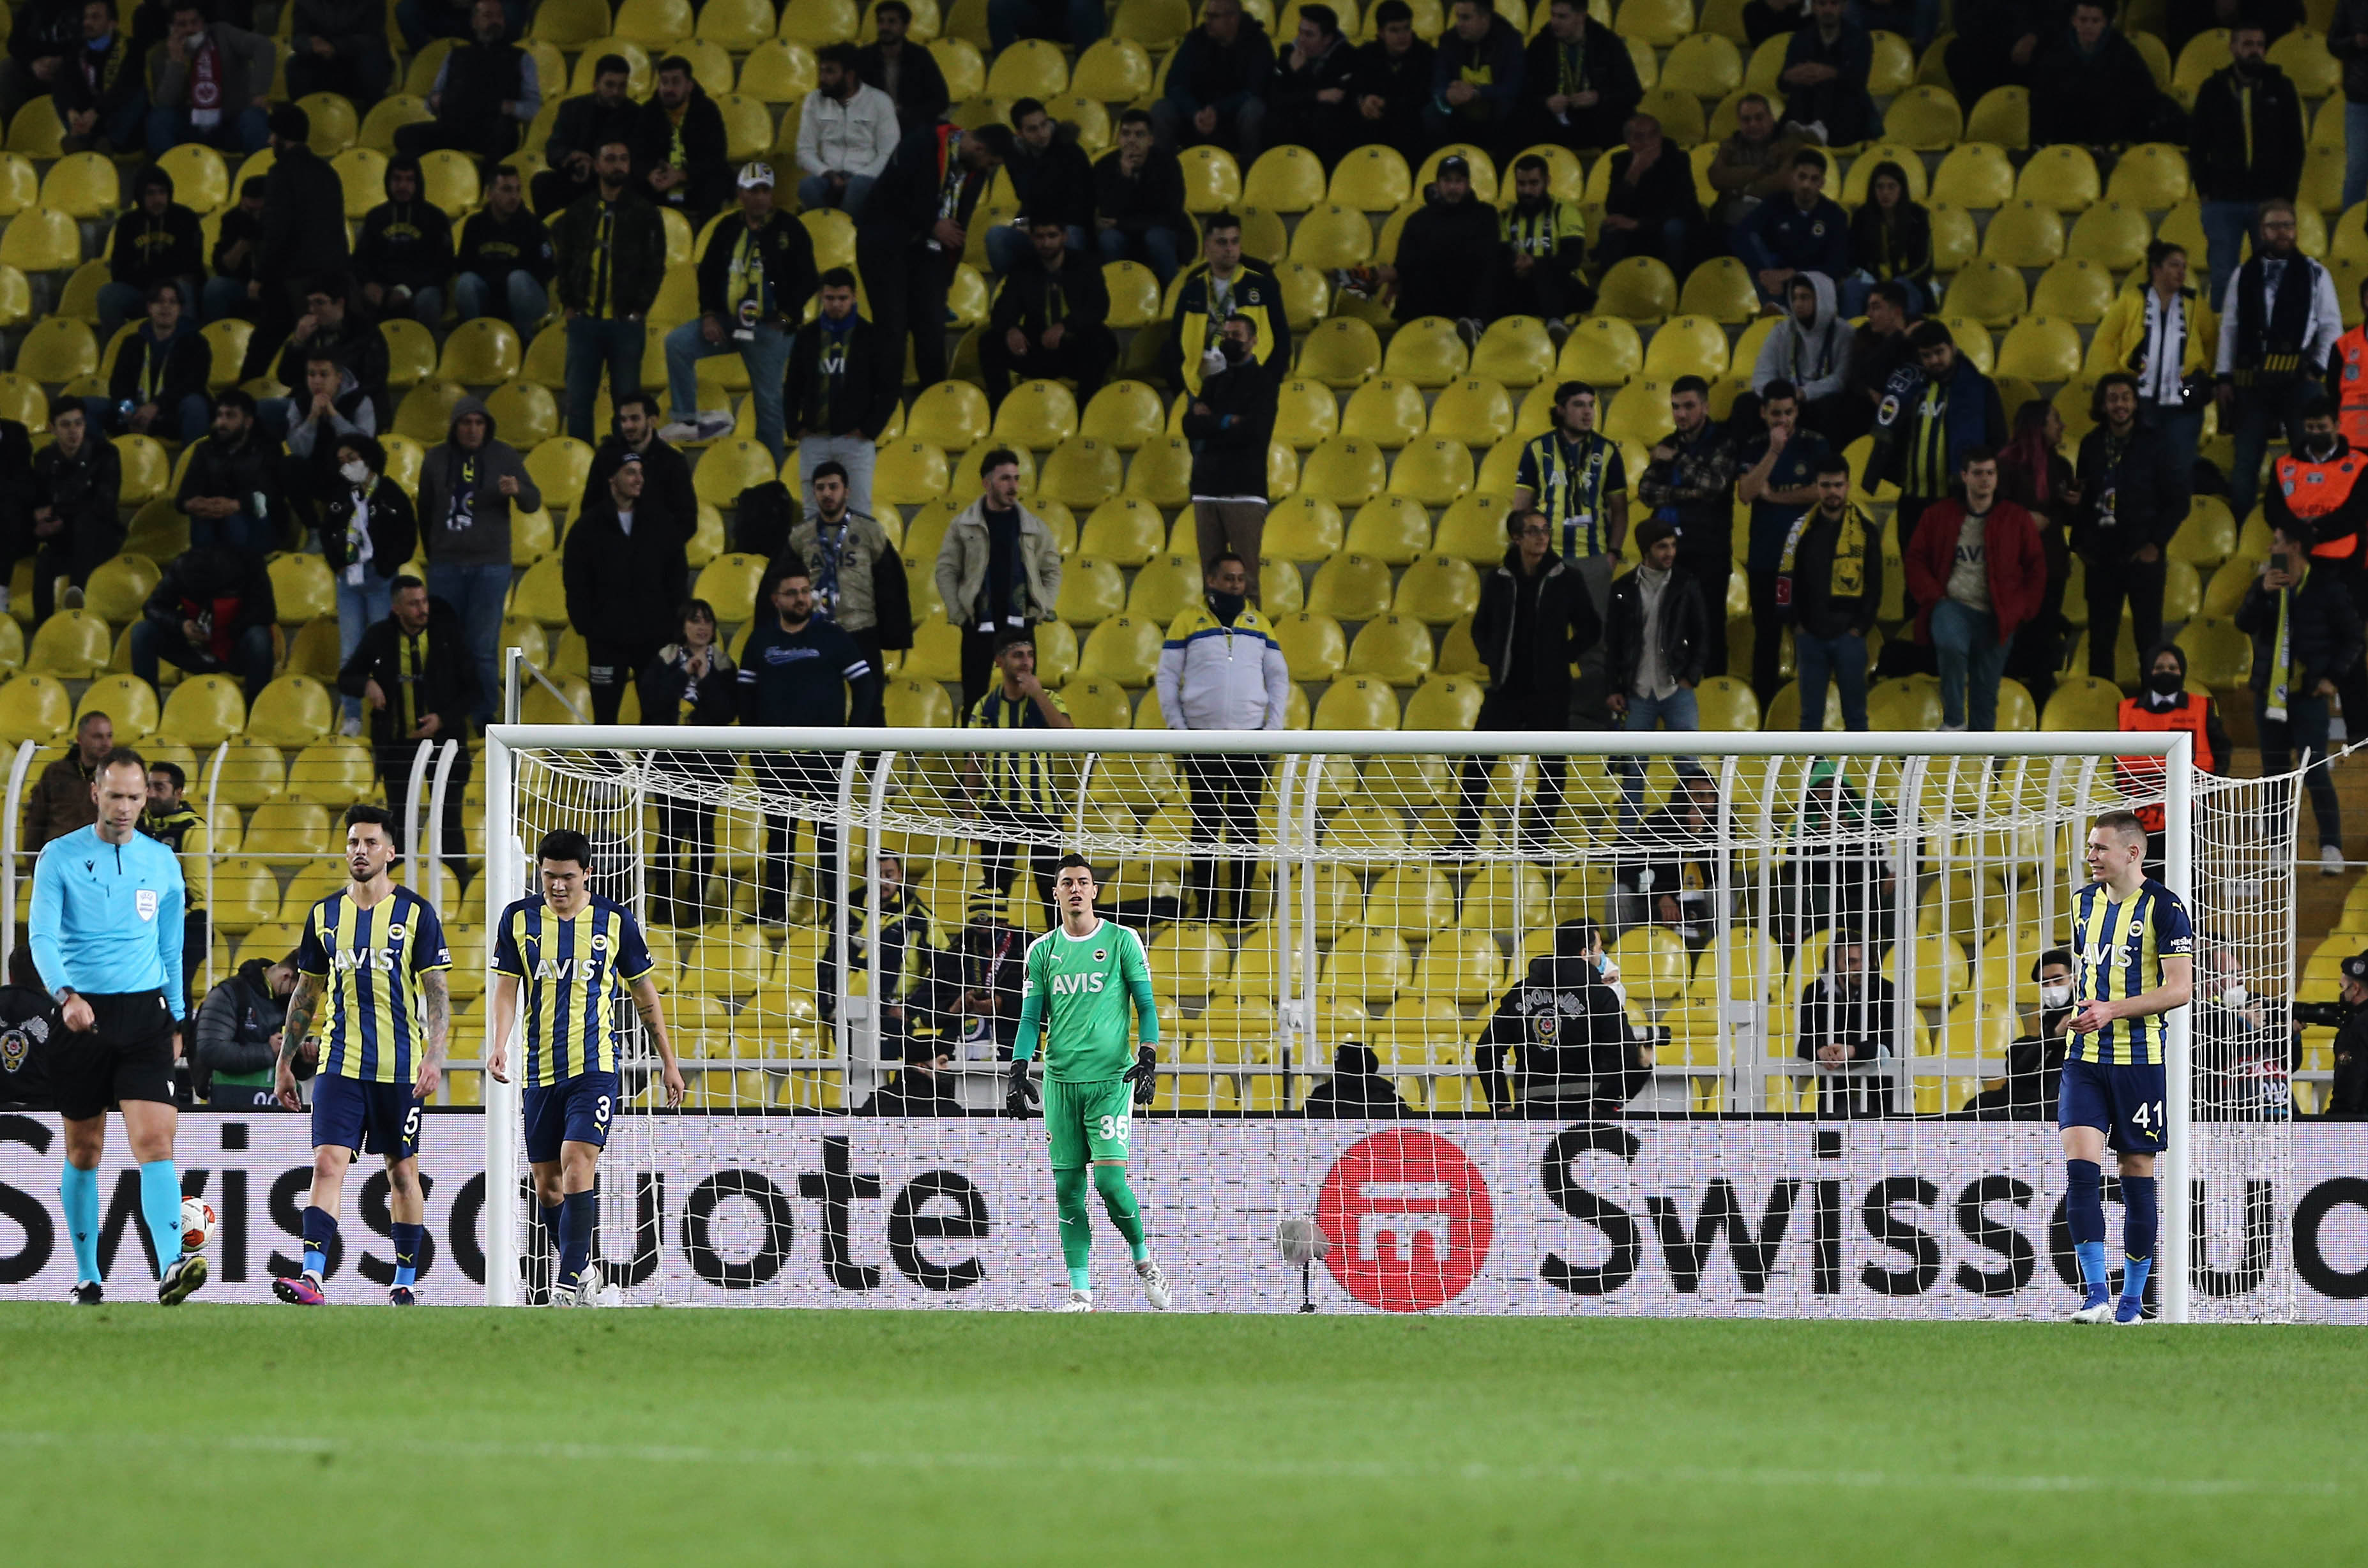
x: 406, y: 1252
x: 160, y: 1204
x: 320, y: 1230
x: 577, y: 1215
x: 2084, y: 1216
x: 78, y: 1195
x: 2141, y: 1221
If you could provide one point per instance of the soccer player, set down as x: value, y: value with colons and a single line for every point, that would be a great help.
x: 376, y: 953
x: 2133, y: 961
x: 570, y: 951
x: 106, y: 928
x: 1091, y: 971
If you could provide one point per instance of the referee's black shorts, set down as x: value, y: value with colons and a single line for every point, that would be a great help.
x: 126, y: 1054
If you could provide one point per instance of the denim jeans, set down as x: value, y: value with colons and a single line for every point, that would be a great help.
x: 250, y: 657
x: 766, y: 355
x: 240, y: 531
x: 2355, y: 154
x: 2225, y: 223
x: 425, y: 306
x: 853, y: 453
x: 359, y: 609
x: 524, y: 301
x: 224, y: 297
x: 1675, y: 711
x: 1840, y: 659
x: 246, y: 132
x: 1972, y: 659
x: 1158, y: 249
x: 1008, y: 246
x: 814, y: 191
x: 475, y: 594
x: 2181, y: 428
x: 594, y: 344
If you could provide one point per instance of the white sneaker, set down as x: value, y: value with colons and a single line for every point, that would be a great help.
x: 712, y: 426
x: 1154, y: 1284
x: 2337, y: 732
x: 2331, y: 860
x: 677, y: 432
x: 352, y: 725
x: 1078, y: 1301
x: 1950, y: 729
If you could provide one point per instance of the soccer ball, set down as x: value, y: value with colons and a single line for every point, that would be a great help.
x: 197, y: 1223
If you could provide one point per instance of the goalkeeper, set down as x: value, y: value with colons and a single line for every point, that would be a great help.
x: 1079, y: 981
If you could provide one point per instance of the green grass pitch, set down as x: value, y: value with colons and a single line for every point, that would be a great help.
x: 260, y: 1435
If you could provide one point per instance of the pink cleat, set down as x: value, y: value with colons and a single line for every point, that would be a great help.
x: 299, y: 1290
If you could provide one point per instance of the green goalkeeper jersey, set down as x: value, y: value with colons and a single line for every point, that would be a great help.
x: 1080, y: 989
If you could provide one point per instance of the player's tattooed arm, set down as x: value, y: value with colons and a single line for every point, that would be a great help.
x: 437, y: 988
x: 301, y: 1005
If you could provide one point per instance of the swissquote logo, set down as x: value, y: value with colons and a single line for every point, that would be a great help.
x: 1409, y: 1219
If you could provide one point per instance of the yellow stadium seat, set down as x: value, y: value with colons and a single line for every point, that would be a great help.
x: 729, y: 467
x: 1332, y: 236
x: 1653, y: 961
x: 2062, y: 177
x: 1372, y: 179
x: 2002, y: 116
x: 1340, y: 353
x: 1474, y: 411
x: 1687, y: 346
x: 73, y: 643
x: 961, y: 64
x: 731, y: 584
x: 79, y: 298
x: 1081, y: 471
x: 335, y: 771
x: 1387, y: 410
x: 1390, y: 529
x: 16, y: 298
x: 1720, y: 290
x: 204, y: 711
x: 1092, y: 590
x: 818, y: 22
x: 1164, y: 585
x: 1304, y: 528
x: 1726, y: 703
x: 1133, y: 293
x: 117, y: 589
x: 559, y: 466
x: 201, y: 178
x: 35, y: 130
x: 950, y: 416
x: 34, y: 706
x: 82, y: 185
x: 362, y: 170
x: 2219, y: 656
x: 1355, y: 702
x: 127, y: 700
x: 653, y: 24
x: 426, y: 412
x: 1639, y: 414
x: 2080, y: 702
x: 1115, y: 70
x: 146, y: 469
x: 1974, y: 342
x: 1437, y: 589
x: 56, y: 349
x: 1343, y: 470
x: 1350, y: 587
x: 540, y: 594
x: 301, y: 586
x: 1954, y: 241
x: 482, y: 352
x: 1124, y: 414
x: 569, y: 23
x: 1659, y: 22
x: 1213, y: 182
x: 1924, y: 118
x: 525, y: 414
x: 2152, y: 176
x: 2024, y: 233
x: 1122, y: 648
x: 1515, y: 351
x: 1432, y: 472
x: 1123, y: 530
x: 1426, y: 351
x: 2208, y: 536
x: 1706, y: 64
x: 913, y: 704
x: 1989, y: 292
x: 1028, y: 68
x: 1639, y: 288
x: 2073, y: 290
x: 1394, y: 649
x: 292, y: 712
x: 778, y: 72
x: 1313, y: 645
x: 20, y: 186
x: 1285, y: 179
x: 739, y: 26
x: 1162, y: 472
x: 1975, y: 175
x: 2301, y: 53
x: 1036, y: 415
x: 2041, y: 349
x: 1604, y: 351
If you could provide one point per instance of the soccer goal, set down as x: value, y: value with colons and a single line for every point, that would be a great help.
x: 1826, y: 1098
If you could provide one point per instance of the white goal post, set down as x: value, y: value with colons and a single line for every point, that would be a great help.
x: 1946, y: 859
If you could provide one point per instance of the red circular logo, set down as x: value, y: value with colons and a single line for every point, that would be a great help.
x: 1408, y: 1218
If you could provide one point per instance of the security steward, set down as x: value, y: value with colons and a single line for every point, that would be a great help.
x: 1567, y: 1030
x: 2348, y: 1095
x: 2316, y: 493
x: 2346, y: 377
x: 2163, y: 704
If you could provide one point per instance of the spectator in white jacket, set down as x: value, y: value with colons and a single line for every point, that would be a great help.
x: 1221, y: 669
x: 1811, y: 350
x: 846, y: 132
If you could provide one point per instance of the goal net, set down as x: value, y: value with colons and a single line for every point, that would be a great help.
x: 1831, y: 1091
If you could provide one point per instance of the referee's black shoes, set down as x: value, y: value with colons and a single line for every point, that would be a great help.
x: 181, y: 1281
x: 88, y: 1293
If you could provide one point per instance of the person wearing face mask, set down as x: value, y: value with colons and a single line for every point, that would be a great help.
x: 2034, y: 1062
x: 1846, y: 1028
x: 368, y: 531
x: 1565, y: 1027
x: 1221, y: 668
x: 1230, y: 424
x: 2306, y: 646
x: 2166, y: 704
x: 2348, y: 1095
x: 2316, y: 493
x: 2244, y: 1066
x: 2245, y: 142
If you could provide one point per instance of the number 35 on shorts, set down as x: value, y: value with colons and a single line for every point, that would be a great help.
x: 1112, y: 1129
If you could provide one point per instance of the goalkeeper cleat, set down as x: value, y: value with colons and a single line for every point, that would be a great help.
x: 299, y: 1290
x: 1154, y: 1284
x: 2096, y: 1307
x: 182, y: 1280
x: 1078, y: 1301
x: 401, y: 1296
x: 2128, y: 1314
x: 87, y: 1293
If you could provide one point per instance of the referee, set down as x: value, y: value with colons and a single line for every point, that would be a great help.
x: 107, y: 938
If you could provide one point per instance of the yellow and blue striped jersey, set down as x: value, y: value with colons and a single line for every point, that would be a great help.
x: 570, y: 974
x: 372, y: 958
x: 2118, y: 946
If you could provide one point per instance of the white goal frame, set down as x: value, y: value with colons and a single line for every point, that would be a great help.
x: 506, y: 866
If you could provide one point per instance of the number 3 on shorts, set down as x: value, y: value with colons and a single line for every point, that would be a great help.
x: 601, y: 1111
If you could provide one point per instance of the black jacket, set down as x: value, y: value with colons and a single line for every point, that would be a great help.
x: 181, y: 363
x: 584, y: 125
x: 1561, y: 1020
x: 1230, y: 441
x: 2149, y: 498
x: 1863, y: 1026
x: 1529, y: 648
x: 2348, y: 1095
x: 1151, y: 198
x: 1356, y: 1091
x: 1663, y: 192
x: 814, y: 677
x: 45, y: 29
x: 865, y: 398
x: 478, y: 79
x: 493, y: 248
x: 227, y: 592
x: 83, y: 490
x: 1437, y: 252
x: 450, y: 678
x: 1056, y: 183
x: 1032, y: 298
x: 1683, y: 627
x: 236, y: 1021
x: 2325, y: 631
x: 1610, y: 74
x: 147, y: 251
x: 705, y: 154
x: 1293, y: 96
x: 904, y: 201
x: 237, y: 227
x: 255, y: 466
x: 662, y: 681
x: 920, y: 91
x: 394, y: 527
x: 405, y: 244
x: 626, y: 587
x: 27, y: 1017
x: 787, y: 252
x: 2219, y: 143
x: 636, y: 258
x: 2093, y: 100
x: 296, y: 243
x: 357, y: 347
x: 1402, y: 84
x: 2351, y: 23
x: 1815, y: 608
x: 666, y: 478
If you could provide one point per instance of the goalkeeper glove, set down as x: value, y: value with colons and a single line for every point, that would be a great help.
x: 1020, y: 1092
x: 1147, y: 1064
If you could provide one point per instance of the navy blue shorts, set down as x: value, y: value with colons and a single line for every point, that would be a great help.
x: 575, y: 1112
x: 380, y: 1118
x: 2126, y: 1103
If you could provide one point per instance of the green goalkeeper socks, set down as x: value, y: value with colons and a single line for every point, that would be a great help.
x: 1118, y: 1198
x: 1076, y: 1226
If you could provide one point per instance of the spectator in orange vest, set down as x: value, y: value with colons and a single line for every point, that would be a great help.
x: 2347, y: 377
x: 2316, y: 495
x: 2165, y: 703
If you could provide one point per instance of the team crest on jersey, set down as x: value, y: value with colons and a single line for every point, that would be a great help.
x: 1888, y: 411
x: 394, y: 931
x: 145, y: 899
x: 1101, y: 955
x: 599, y: 941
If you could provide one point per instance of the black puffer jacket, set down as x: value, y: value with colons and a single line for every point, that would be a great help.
x: 394, y: 527
x: 1563, y: 625
x: 236, y: 1021
x: 1684, y: 627
x: 625, y: 587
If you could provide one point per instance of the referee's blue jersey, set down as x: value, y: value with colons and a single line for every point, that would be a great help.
x: 107, y: 918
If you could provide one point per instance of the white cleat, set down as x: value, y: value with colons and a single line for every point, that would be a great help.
x: 1078, y: 1301
x: 2097, y: 1308
x: 1154, y: 1284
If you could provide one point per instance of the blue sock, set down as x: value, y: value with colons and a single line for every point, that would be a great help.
x: 1081, y: 1279
x: 407, y: 1251
x: 2084, y: 1216
x: 576, y: 1217
x: 320, y: 1230
x: 160, y: 1205
x: 2141, y: 1222
x: 78, y: 1195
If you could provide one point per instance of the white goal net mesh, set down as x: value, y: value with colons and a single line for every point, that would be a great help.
x: 1831, y: 1091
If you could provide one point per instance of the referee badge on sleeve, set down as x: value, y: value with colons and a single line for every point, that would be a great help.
x: 146, y: 901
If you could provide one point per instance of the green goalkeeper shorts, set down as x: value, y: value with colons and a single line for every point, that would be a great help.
x: 1085, y: 1122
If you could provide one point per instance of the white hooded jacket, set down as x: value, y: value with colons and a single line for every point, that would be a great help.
x: 1815, y: 358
